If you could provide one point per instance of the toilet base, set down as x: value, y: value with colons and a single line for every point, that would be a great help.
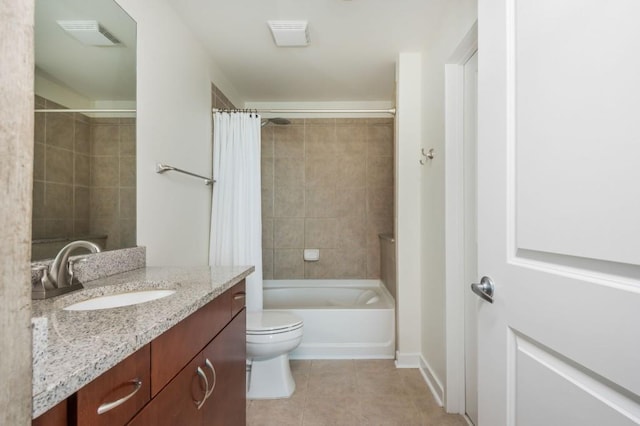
x: 270, y: 378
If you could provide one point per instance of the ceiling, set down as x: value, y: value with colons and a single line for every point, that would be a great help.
x: 351, y: 57
x: 95, y: 73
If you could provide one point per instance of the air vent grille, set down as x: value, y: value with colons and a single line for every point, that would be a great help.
x: 290, y: 33
x: 90, y: 33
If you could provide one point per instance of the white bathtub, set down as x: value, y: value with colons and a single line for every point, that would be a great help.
x: 342, y: 318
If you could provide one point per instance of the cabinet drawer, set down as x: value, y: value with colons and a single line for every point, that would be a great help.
x: 56, y: 416
x: 238, y: 298
x: 171, y: 351
x: 117, y: 395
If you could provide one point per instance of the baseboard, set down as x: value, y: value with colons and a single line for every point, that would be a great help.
x: 407, y: 360
x: 432, y: 381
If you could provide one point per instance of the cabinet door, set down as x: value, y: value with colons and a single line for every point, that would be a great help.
x: 227, y: 354
x: 117, y: 395
x: 176, y: 404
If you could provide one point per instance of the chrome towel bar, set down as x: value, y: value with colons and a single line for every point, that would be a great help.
x: 161, y: 168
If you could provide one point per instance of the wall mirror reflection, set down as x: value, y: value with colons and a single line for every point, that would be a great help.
x: 85, y: 139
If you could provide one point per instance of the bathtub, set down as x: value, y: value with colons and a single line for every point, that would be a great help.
x: 348, y: 319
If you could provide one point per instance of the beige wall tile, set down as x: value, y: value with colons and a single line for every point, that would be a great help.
x: 39, y: 127
x: 128, y: 140
x: 379, y: 171
x: 266, y: 142
x: 127, y: 203
x: 288, y: 172
x: 127, y: 232
x: 108, y: 226
x: 127, y: 171
x: 320, y: 233
x: 320, y: 202
x: 58, y: 165
x: 105, y: 139
x: 105, y: 171
x: 267, y: 202
x: 378, y: 224
x: 351, y: 141
x: 288, y: 233
x: 319, y: 141
x: 351, y: 172
x: 350, y: 202
x: 80, y: 228
x: 81, y: 203
x: 325, y: 267
x: 373, y: 262
x: 288, y: 264
x: 38, y: 161
x: 82, y: 138
x: 38, y: 211
x: 380, y: 201
x: 56, y: 228
x: 288, y: 141
x: 59, y: 130
x: 58, y: 201
x: 327, y: 122
x: 37, y: 229
x: 351, y: 263
x: 267, y: 173
x: 351, y: 232
x: 380, y: 141
x: 104, y: 203
x: 82, y: 167
x: 267, y: 263
x: 321, y: 172
x: 289, y: 202
x: 267, y: 233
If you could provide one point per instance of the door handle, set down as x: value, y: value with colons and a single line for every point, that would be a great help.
x: 484, y: 289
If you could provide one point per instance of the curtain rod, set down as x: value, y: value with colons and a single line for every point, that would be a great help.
x: 86, y: 110
x: 391, y: 111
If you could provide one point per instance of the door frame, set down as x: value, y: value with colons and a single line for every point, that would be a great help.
x: 454, y: 401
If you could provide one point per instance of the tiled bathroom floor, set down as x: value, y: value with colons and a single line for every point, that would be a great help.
x: 353, y: 392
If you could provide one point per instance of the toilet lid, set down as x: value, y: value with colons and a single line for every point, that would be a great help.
x: 272, y: 322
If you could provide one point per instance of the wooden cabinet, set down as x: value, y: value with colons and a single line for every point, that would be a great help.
x: 193, y: 374
x: 210, y: 390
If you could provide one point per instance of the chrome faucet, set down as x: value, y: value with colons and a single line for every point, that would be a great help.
x: 59, y: 277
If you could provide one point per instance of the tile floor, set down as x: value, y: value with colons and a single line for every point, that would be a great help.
x: 353, y: 392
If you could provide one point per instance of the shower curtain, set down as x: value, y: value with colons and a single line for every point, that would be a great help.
x: 236, y: 213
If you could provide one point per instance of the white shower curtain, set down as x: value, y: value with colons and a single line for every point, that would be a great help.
x: 236, y: 213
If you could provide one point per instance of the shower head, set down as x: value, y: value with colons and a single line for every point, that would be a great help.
x: 278, y: 120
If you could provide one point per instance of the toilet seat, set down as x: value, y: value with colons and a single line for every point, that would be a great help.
x: 272, y: 322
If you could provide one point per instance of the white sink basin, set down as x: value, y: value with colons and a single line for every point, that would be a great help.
x: 119, y: 300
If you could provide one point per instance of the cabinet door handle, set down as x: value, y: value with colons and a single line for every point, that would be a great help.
x: 203, y: 376
x: 213, y: 371
x: 239, y: 296
x: 108, y: 406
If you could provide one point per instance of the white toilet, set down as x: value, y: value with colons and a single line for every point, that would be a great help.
x: 271, y: 335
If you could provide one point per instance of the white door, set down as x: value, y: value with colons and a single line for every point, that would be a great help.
x: 470, y: 235
x: 559, y: 212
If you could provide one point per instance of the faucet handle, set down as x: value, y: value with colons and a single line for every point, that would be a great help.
x: 71, y: 263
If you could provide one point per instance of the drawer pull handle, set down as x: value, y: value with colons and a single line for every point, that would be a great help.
x: 108, y: 406
x: 239, y: 296
x: 213, y: 371
x: 203, y: 376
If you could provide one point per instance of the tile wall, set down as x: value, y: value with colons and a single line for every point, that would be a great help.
x: 84, y: 177
x: 326, y: 184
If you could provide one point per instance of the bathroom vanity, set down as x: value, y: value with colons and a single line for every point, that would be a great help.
x: 176, y: 360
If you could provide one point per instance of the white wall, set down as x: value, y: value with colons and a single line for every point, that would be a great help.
x: 407, y: 226
x: 174, y: 75
x: 459, y: 16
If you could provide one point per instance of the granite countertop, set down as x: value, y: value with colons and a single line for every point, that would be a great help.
x: 71, y: 348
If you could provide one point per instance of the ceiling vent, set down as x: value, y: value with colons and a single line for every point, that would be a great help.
x: 290, y: 33
x: 90, y: 33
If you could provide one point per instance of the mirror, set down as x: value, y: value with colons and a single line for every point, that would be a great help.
x: 84, y: 178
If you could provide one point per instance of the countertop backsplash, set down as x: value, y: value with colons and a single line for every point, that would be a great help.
x: 100, y: 265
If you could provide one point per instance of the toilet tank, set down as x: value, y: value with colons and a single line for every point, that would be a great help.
x: 388, y: 262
